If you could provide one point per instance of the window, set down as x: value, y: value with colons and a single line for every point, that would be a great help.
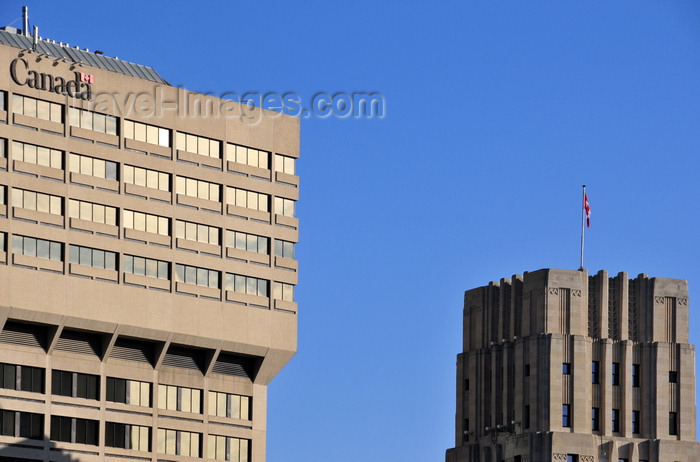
x: 127, y: 436
x: 565, y: 415
x: 2, y: 194
x: 616, y: 373
x: 39, y: 202
x: 24, y: 378
x: 595, y: 419
x: 615, y: 420
x: 248, y: 199
x: 527, y: 370
x: 179, y: 443
x: 566, y: 368
x: 672, y: 423
x: 197, y: 232
x: 197, y: 188
x: 572, y: 458
x: 672, y: 377
x: 636, y: 423
x: 247, y: 285
x: 91, y: 166
x: 146, y: 222
x: 38, y: 155
x: 89, y: 120
x: 146, y: 133
x: 282, y: 291
x: 96, y: 258
x: 32, y: 247
x: 198, y: 145
x: 595, y: 372
x: 148, y: 178
x: 635, y: 375
x: 72, y: 430
x: 228, y: 448
x: 183, y: 399
x: 284, y: 206
x: 128, y: 392
x: 146, y: 267
x: 247, y: 156
x: 2, y: 241
x: 228, y: 405
x: 31, y: 426
x: 526, y: 417
x: 466, y: 384
x: 246, y: 241
x: 284, y: 249
x: 92, y: 212
x: 75, y: 385
x: 37, y: 108
x: 197, y: 276
x: 285, y: 164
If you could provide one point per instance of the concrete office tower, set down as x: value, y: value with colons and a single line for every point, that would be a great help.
x: 559, y: 365
x: 147, y: 263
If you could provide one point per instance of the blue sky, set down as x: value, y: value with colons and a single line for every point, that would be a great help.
x: 496, y: 114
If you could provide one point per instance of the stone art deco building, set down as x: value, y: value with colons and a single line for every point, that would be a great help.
x: 147, y: 263
x: 560, y: 365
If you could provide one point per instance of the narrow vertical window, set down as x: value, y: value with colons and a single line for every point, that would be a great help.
x: 672, y: 423
x: 595, y: 372
x: 635, y: 375
x: 565, y: 415
x: 636, y: 427
x: 616, y: 373
x: 616, y: 420
x: 566, y: 368
x: 595, y: 419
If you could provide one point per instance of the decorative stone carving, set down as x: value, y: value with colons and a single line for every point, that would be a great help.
x: 556, y: 456
x: 683, y: 301
x: 576, y: 292
x: 553, y: 291
x: 587, y: 458
x: 659, y: 300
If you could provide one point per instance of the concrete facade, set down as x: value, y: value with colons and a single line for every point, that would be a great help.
x: 560, y: 365
x: 146, y: 263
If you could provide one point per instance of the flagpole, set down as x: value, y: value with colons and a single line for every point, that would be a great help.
x: 583, y: 223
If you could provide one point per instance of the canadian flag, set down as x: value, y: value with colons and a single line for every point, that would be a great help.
x: 588, y: 210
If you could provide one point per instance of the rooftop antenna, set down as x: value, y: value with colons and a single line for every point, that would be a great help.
x: 36, y: 38
x: 25, y: 17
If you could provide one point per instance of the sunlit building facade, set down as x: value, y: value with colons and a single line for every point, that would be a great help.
x: 558, y: 365
x: 147, y: 264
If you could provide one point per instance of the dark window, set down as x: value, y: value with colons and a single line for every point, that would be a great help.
x: 616, y: 420
x: 9, y: 376
x: 616, y: 373
x: 116, y: 390
x: 30, y: 378
x: 636, y: 422
x: 526, y: 417
x: 31, y: 426
x: 7, y: 425
x: 566, y: 368
x: 60, y: 428
x: 466, y: 384
x: 673, y: 377
x: 466, y: 430
x: 595, y: 419
x: 572, y: 458
x: 115, y: 435
x: 527, y: 370
x: 71, y: 430
x: 86, y: 431
x: 635, y: 375
x: 565, y: 422
x: 672, y: 423
x: 76, y: 385
x: 595, y: 372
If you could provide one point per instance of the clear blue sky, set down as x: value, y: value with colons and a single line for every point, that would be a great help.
x: 496, y: 114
